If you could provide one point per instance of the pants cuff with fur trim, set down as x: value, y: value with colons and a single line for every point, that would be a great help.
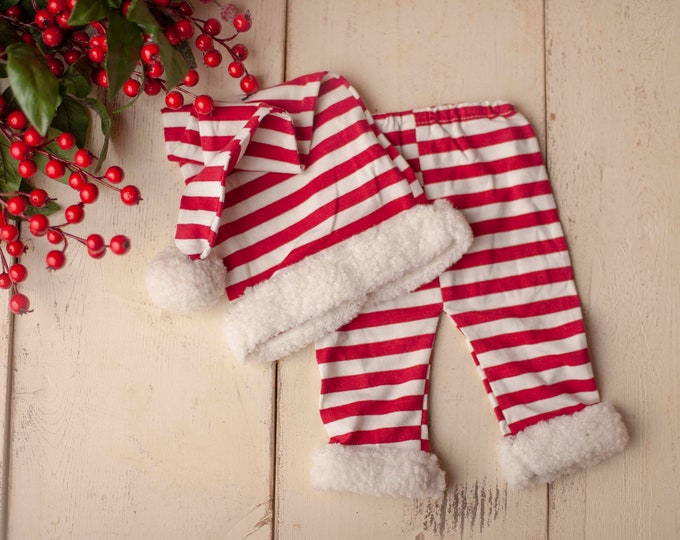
x: 562, y: 445
x: 376, y: 470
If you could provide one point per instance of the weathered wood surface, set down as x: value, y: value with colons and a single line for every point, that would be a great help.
x: 126, y: 422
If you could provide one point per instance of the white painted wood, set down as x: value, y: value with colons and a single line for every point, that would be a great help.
x: 613, y: 84
x: 5, y: 409
x: 129, y: 422
x: 400, y: 56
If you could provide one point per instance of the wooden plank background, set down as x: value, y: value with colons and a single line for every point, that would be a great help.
x: 127, y: 422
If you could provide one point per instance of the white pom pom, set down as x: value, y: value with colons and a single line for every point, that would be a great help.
x: 178, y: 283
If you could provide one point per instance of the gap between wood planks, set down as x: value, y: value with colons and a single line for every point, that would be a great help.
x: 9, y: 386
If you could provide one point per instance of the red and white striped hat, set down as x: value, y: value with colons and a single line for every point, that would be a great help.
x: 300, y: 209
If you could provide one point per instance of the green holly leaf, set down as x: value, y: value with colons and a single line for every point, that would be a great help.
x: 74, y: 118
x: 10, y: 180
x: 124, y: 41
x: 4, y: 4
x: 105, y: 124
x: 74, y: 82
x: 7, y: 32
x: 175, y: 65
x: 87, y: 11
x: 35, y: 87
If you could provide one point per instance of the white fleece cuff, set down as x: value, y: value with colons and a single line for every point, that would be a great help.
x: 378, y: 471
x: 305, y: 301
x: 562, y: 445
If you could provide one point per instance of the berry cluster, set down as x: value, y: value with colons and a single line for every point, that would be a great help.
x: 61, y: 160
x: 57, y: 57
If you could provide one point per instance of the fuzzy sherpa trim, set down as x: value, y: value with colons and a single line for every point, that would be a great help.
x: 178, y: 283
x: 562, y: 445
x: 377, y: 471
x: 309, y: 299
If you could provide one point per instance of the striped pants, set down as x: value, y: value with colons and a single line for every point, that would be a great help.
x: 512, y: 296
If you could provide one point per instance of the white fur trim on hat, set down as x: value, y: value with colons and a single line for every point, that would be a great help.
x: 178, y: 283
x: 377, y: 470
x: 562, y: 445
x: 317, y: 295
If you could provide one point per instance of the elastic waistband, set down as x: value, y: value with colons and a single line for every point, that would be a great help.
x: 454, y: 113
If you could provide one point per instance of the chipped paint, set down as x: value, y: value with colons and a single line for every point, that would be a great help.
x: 464, y: 507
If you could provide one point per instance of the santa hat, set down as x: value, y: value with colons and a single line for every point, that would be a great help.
x: 299, y: 208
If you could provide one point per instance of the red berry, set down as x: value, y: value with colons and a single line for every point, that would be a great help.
x: 17, y: 119
x: 184, y: 28
x: 172, y: 36
x: 43, y: 18
x: 71, y: 4
x: 27, y: 168
x: 56, y: 6
x: 100, y: 77
x: 38, y: 224
x: 235, y: 69
x: 16, y: 248
x: 185, y: 8
x: 71, y: 56
x: 9, y: 233
x: 149, y: 52
x: 52, y: 36
x: 212, y: 27
x: 120, y: 244
x: 62, y: 20
x: 115, y: 174
x: 19, y: 149
x: 96, y: 54
x: 96, y: 254
x: 16, y: 205
x: 131, y: 87
x: 249, y: 84
x: 130, y: 195
x: 38, y: 197
x: 55, y: 260
x: 240, y: 51
x: 155, y: 70
x: 5, y: 282
x: 74, y: 213
x: 77, y: 180
x: 56, y: 66
x: 95, y: 243
x: 204, y: 104
x: 212, y: 58
x: 152, y: 87
x: 54, y: 236
x: 19, y: 304
x: 17, y: 273
x: 83, y: 158
x: 55, y: 168
x: 191, y: 78
x: 174, y: 100
x: 242, y: 22
x: 89, y: 193
x: 14, y: 12
x: 204, y: 42
x: 66, y: 141
x: 98, y: 40
x: 32, y: 137
x: 81, y: 37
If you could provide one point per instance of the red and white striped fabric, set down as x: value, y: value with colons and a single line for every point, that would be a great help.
x: 513, y: 297
x: 309, y: 208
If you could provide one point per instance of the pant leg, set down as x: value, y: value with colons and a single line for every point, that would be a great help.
x: 374, y: 385
x: 513, y: 294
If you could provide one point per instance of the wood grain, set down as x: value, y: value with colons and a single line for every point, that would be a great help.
x: 400, y: 57
x: 130, y: 422
x: 127, y: 422
x: 613, y: 88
